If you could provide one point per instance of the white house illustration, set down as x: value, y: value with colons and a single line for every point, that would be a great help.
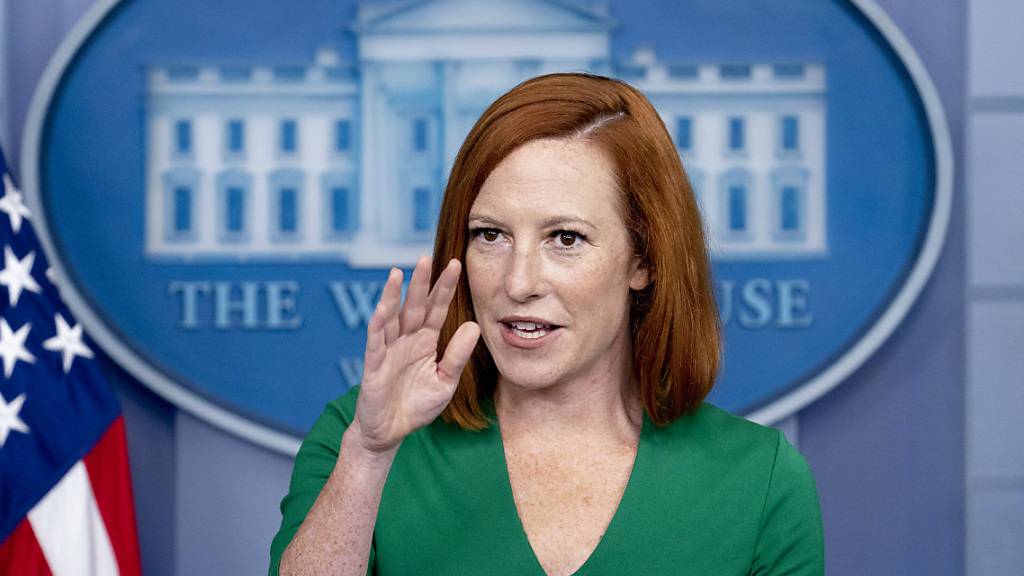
x: 348, y: 160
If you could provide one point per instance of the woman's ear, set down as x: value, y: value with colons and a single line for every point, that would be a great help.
x: 641, y: 277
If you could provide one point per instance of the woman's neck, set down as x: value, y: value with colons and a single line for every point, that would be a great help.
x: 600, y: 404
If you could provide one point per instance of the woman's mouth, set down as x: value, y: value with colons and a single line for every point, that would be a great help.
x: 527, y: 334
x: 529, y: 330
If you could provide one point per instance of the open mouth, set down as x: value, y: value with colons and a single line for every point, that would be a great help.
x: 529, y: 330
x: 528, y: 334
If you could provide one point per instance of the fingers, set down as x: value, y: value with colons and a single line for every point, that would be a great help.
x: 414, y: 308
x: 390, y: 300
x: 458, y: 351
x: 375, y: 348
x: 441, y: 296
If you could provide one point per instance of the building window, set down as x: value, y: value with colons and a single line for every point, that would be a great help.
x: 234, y: 221
x: 630, y: 72
x: 234, y: 137
x: 181, y: 186
x: 737, y: 136
x: 420, y: 135
x: 737, y: 208
x: 233, y: 188
x: 788, y: 71
x: 683, y: 71
x: 182, y: 73
x: 528, y: 66
x: 789, y: 211
x: 684, y: 133
x: 286, y: 204
x: 182, y: 209
x: 235, y: 74
x: 790, y: 128
x: 341, y: 73
x: 735, y: 71
x: 789, y: 186
x: 183, y: 137
x: 289, y: 136
x: 423, y: 210
x: 341, y: 208
x: 289, y: 73
x: 342, y: 136
x: 735, y: 204
x: 287, y: 210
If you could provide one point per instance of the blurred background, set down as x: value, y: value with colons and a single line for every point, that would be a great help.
x: 917, y: 446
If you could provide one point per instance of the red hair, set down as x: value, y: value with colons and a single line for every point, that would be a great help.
x: 674, y: 321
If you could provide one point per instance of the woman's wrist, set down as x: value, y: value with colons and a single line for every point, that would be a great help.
x: 355, y: 448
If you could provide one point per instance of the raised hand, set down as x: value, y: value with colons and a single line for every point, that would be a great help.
x: 404, y: 387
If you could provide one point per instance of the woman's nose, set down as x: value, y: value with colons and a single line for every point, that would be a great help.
x: 523, y: 276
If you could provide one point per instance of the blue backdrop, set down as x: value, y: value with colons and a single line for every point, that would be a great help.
x: 886, y: 447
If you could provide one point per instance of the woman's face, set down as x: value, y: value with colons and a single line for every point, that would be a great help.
x: 550, y: 265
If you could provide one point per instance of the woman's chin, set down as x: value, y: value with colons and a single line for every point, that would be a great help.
x: 527, y: 379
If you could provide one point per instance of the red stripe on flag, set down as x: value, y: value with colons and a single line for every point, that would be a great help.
x: 20, y: 553
x: 107, y: 464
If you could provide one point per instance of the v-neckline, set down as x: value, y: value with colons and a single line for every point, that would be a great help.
x: 509, y: 500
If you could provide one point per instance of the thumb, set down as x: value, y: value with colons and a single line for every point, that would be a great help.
x: 458, y: 351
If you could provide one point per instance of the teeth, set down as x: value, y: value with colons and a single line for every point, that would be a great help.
x: 529, y: 330
x: 528, y: 334
x: 525, y: 325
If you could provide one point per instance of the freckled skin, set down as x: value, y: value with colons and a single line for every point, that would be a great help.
x: 566, y: 497
x: 569, y: 430
x: 569, y: 420
x: 526, y: 271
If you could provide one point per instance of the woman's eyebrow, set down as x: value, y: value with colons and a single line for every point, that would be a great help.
x: 563, y: 220
x: 550, y: 222
x: 482, y: 219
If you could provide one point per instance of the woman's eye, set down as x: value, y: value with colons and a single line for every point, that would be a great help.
x: 488, y: 234
x: 567, y: 238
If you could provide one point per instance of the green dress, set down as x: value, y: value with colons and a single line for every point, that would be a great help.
x: 710, y: 493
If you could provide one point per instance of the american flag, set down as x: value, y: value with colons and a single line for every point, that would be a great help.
x: 65, y: 491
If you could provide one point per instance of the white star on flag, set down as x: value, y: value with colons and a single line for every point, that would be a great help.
x: 12, y: 346
x: 9, y: 419
x: 17, y: 275
x: 68, y: 342
x: 12, y: 204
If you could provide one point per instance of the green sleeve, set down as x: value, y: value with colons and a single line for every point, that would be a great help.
x: 313, y: 465
x: 791, y: 540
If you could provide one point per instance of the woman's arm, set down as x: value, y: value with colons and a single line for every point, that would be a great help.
x: 791, y: 540
x: 404, y: 388
x: 335, y: 537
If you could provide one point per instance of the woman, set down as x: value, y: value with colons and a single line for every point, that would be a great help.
x: 570, y: 373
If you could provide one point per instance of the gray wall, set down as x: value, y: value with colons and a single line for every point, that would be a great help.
x: 995, y: 287
x: 887, y: 446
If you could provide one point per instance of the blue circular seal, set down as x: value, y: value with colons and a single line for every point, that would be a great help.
x: 221, y: 186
